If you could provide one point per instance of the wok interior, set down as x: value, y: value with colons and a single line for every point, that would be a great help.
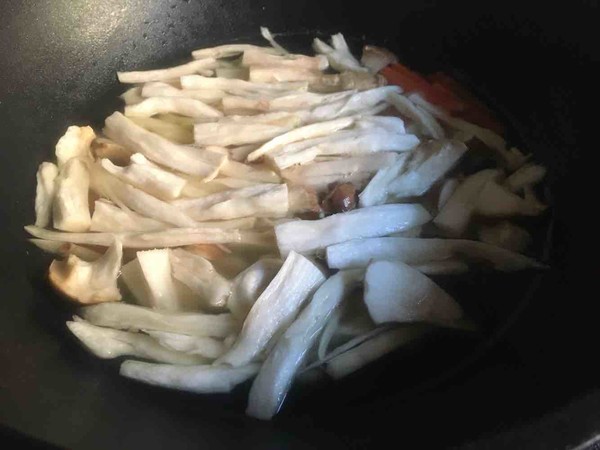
x: 66, y: 75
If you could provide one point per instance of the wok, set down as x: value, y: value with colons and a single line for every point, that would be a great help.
x: 528, y: 381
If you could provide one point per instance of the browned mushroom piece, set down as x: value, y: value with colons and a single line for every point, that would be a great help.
x: 342, y: 197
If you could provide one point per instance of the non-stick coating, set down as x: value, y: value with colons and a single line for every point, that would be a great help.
x: 531, y: 386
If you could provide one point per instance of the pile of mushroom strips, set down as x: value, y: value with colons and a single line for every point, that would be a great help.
x: 260, y: 214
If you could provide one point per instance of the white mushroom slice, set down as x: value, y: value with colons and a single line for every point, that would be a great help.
x: 358, y: 103
x: 231, y: 133
x: 198, y: 274
x: 187, y: 160
x: 454, y: 217
x: 44, y: 193
x: 137, y: 200
x: 275, y: 309
x: 178, y: 134
x: 258, y: 58
x: 89, y: 282
x: 262, y: 200
x: 308, y: 236
x: 64, y: 249
x: 70, y: 209
x: 395, y: 292
x: 131, y: 317
x: 193, y: 345
x: 340, y: 169
x: 188, y: 107
x: 426, y: 121
x: 278, y: 371
x: 174, y: 237
x: 158, y: 89
x: 247, y: 287
x: 306, y: 132
x: 148, y: 177
x: 110, y: 218
x: 107, y: 343
x: 198, y: 379
x: 222, y: 51
x: 416, y: 252
x: 277, y: 74
x: 163, y: 292
x: 428, y: 164
x: 376, y: 191
x: 229, y: 84
x: 167, y: 74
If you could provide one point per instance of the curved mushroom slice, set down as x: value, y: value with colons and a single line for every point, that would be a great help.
x: 130, y: 317
x: 358, y: 103
x: 247, y: 287
x: 199, y: 379
x: 158, y: 89
x: 299, y: 134
x: 89, y: 282
x: 71, y: 209
x: 275, y: 309
x: 223, y: 51
x: 64, y: 249
x: 456, y: 213
x: 148, y: 177
x: 191, y: 161
x: 188, y: 107
x: 108, y: 217
x: 107, y: 343
x: 174, y: 237
x: 262, y: 200
x: 395, y: 292
x: 309, y: 236
x: 176, y: 133
x: 258, y: 58
x: 416, y: 251
x: 167, y: 74
x: 232, y: 133
x: 199, y: 275
x: 161, y: 288
x: 138, y: 200
x: 193, y: 345
x: 277, y: 74
x: 232, y: 84
x: 278, y: 371
x: 341, y: 168
x: 44, y: 193
x: 426, y: 165
x: 424, y: 119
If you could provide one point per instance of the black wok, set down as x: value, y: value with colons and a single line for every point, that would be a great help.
x: 528, y: 381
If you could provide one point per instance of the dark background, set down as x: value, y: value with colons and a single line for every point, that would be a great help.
x: 529, y: 381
